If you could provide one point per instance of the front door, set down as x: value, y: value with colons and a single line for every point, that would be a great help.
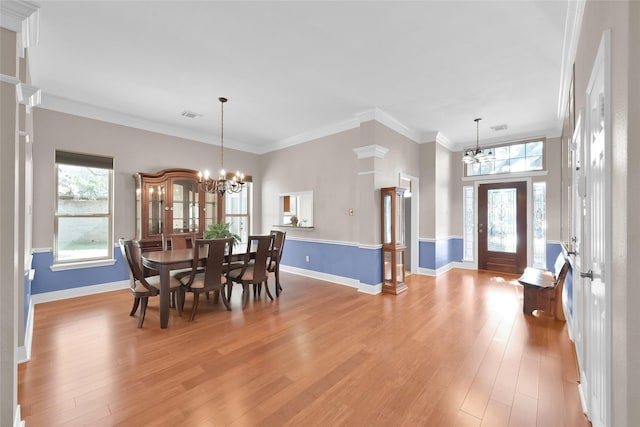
x: 502, y: 227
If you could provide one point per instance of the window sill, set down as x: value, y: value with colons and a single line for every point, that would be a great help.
x: 83, y: 264
x: 310, y: 227
x: 502, y: 176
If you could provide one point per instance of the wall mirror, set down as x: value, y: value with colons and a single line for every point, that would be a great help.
x: 296, y: 209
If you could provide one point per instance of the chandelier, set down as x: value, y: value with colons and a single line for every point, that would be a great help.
x: 477, y: 155
x: 226, y: 182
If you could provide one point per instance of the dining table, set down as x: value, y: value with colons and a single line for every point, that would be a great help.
x: 165, y: 261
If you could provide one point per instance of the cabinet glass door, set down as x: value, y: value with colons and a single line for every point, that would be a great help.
x: 185, y: 206
x: 156, y: 205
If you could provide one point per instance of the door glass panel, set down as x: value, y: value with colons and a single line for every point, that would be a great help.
x: 501, y: 220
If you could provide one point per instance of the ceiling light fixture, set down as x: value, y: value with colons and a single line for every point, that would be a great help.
x: 477, y: 155
x: 226, y: 182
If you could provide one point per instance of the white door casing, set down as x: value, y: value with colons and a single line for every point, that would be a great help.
x: 597, y: 234
x: 577, y: 314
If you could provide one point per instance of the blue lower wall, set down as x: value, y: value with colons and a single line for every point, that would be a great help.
x: 344, y: 260
x: 440, y: 253
x: 46, y: 280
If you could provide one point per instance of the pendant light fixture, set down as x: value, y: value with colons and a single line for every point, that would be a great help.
x: 477, y: 155
x: 225, y: 182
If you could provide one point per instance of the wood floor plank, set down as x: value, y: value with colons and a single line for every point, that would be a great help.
x: 454, y: 350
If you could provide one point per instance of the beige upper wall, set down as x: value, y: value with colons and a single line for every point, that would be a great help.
x: 329, y: 167
x: 133, y: 151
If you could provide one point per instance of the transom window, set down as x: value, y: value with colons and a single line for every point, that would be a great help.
x: 521, y: 157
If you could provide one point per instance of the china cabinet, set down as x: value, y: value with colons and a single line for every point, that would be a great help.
x: 393, y: 240
x: 169, y: 203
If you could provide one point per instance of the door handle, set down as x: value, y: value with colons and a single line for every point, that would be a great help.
x: 588, y: 274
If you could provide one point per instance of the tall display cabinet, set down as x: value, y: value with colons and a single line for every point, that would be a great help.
x: 170, y: 202
x: 393, y: 240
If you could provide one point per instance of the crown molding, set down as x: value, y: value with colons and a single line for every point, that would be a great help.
x: 21, y: 17
x: 81, y: 109
x: 373, y: 114
x: 321, y: 132
x: 369, y: 151
x: 389, y: 121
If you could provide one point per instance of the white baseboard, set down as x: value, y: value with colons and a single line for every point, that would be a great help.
x: 17, y: 422
x: 79, y: 292
x: 426, y: 271
x: 447, y: 267
x: 339, y: 280
x: 583, y: 401
x: 568, y: 318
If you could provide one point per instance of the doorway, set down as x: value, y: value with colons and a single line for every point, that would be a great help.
x: 502, y: 227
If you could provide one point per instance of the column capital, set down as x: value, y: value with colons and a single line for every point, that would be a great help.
x: 371, y: 151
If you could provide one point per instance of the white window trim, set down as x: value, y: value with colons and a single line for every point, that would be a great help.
x: 504, y: 177
x: 82, y: 264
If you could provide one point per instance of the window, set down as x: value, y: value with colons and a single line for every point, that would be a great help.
x: 522, y: 157
x: 237, y: 212
x: 83, y: 229
x: 539, y: 225
x: 469, y: 223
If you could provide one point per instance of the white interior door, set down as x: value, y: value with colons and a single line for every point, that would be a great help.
x: 597, y: 256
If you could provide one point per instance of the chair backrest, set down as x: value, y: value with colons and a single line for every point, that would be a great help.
x: 131, y: 253
x: 560, y: 267
x: 262, y: 246
x: 278, y: 244
x: 179, y: 241
x: 217, y: 250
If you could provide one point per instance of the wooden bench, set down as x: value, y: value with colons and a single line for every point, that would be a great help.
x: 543, y: 289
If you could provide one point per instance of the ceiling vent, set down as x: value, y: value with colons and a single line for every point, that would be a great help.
x: 190, y: 114
x: 499, y: 127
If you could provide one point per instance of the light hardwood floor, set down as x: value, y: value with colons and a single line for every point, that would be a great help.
x: 452, y: 351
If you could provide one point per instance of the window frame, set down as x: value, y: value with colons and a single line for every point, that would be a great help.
x: 63, y: 157
x: 509, y: 145
x: 248, y: 187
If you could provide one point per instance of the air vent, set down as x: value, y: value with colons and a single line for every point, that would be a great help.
x: 499, y: 127
x: 190, y: 114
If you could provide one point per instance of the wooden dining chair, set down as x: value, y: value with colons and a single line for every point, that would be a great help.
x: 276, y: 255
x: 273, y: 263
x: 213, y: 276
x: 253, y: 272
x: 179, y: 241
x: 143, y: 287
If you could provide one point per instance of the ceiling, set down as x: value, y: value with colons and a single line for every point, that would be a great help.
x: 297, y: 70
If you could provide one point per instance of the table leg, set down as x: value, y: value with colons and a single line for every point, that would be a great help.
x: 165, y: 297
